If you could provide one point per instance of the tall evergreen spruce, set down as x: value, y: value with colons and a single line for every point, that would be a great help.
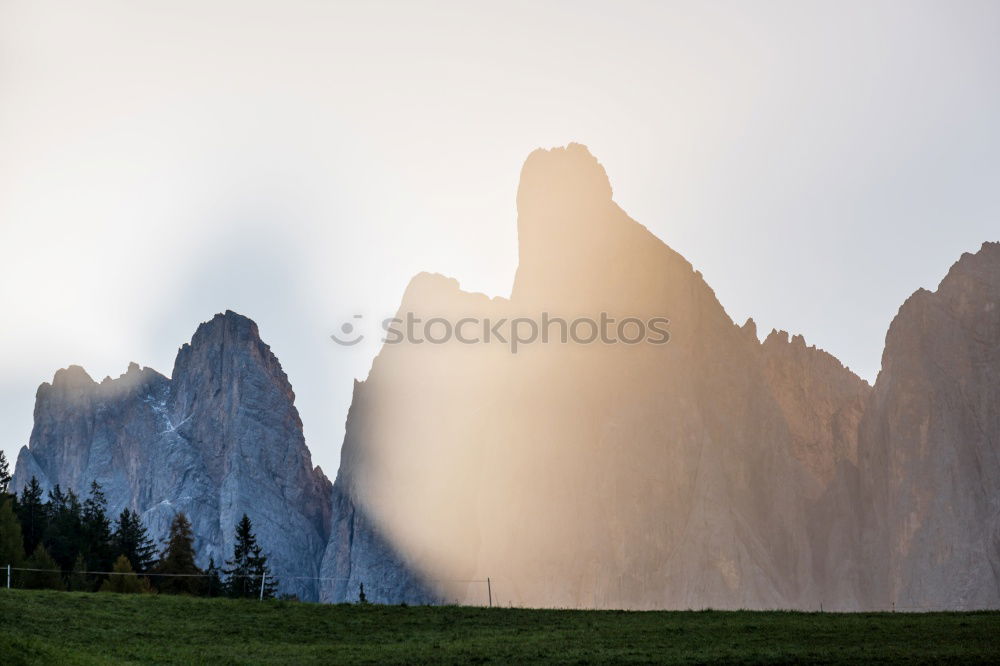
x: 178, y: 560
x: 63, y: 533
x: 79, y: 580
x: 4, y: 473
x: 33, y: 514
x: 131, y: 539
x: 11, y: 543
x: 244, y: 573
x: 214, y: 587
x: 95, y: 531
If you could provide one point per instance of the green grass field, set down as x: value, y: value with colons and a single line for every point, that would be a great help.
x: 76, y: 628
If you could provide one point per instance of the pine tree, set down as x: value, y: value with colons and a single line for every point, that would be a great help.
x: 95, y: 530
x: 238, y: 574
x: 214, y: 587
x: 64, y: 531
x: 43, y: 572
x: 248, y: 568
x: 178, y: 560
x: 131, y: 539
x: 11, y: 543
x: 33, y: 515
x: 78, y: 579
x: 4, y: 474
x: 124, y: 581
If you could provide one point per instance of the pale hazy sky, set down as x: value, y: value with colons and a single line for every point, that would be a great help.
x: 298, y: 161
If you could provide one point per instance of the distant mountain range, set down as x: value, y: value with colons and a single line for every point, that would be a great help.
x: 712, y: 471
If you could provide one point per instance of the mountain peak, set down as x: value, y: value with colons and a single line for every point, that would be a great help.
x: 980, y: 266
x: 72, y: 377
x: 229, y: 329
x: 227, y: 321
x: 576, y: 247
x: 562, y: 178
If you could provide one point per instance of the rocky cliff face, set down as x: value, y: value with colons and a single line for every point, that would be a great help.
x: 596, y: 475
x: 219, y: 438
x: 821, y: 401
x: 930, y: 447
x: 823, y: 404
x: 715, y: 470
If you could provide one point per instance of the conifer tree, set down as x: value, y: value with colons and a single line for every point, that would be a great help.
x: 63, y: 531
x: 78, y: 579
x: 43, y: 572
x: 4, y: 474
x: 238, y: 570
x: 33, y: 515
x: 95, y: 530
x: 124, y: 580
x: 178, y: 560
x: 11, y: 543
x: 214, y: 587
x: 131, y: 539
x: 248, y: 568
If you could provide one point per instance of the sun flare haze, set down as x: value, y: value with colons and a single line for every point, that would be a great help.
x: 298, y: 162
x: 453, y: 332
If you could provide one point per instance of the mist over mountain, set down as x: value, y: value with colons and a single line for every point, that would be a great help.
x: 714, y: 470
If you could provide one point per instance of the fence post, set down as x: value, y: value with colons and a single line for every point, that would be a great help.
x: 263, y: 577
x: 8, y: 576
x: 489, y: 590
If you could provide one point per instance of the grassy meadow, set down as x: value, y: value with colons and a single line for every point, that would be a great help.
x: 42, y: 627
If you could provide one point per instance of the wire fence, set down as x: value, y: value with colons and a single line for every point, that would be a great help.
x: 132, y: 574
x: 488, y: 582
x: 10, y: 569
x: 143, y: 574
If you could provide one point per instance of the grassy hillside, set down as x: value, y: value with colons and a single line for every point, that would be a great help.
x: 74, y: 628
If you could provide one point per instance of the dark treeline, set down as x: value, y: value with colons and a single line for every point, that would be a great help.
x: 58, y: 541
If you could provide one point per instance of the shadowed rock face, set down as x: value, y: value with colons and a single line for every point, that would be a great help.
x: 679, y: 475
x: 930, y: 447
x: 220, y: 438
